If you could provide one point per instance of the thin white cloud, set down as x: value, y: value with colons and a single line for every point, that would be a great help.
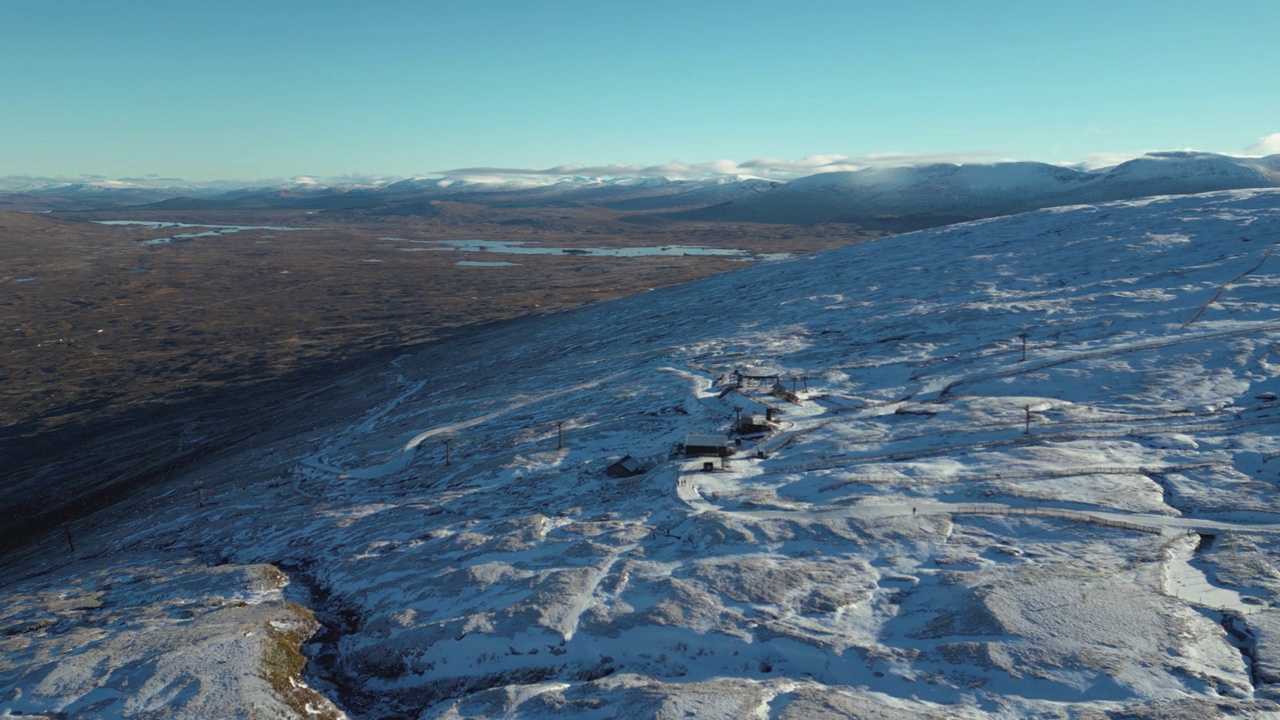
x: 768, y: 168
x: 896, y: 159
x: 1097, y: 161
x: 1100, y: 161
x: 1269, y: 145
x: 782, y: 169
x: 674, y: 169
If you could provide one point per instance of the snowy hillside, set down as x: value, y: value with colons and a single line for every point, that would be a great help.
x: 623, y: 193
x: 1171, y: 173
x: 113, y: 192
x: 700, y: 193
x: 976, y: 191
x: 931, y: 526
x: 969, y: 189
x: 889, y: 198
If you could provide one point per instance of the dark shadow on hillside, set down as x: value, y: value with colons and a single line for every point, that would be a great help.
x: 60, y: 474
x: 50, y: 476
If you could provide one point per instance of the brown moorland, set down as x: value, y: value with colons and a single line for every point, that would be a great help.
x: 122, y: 362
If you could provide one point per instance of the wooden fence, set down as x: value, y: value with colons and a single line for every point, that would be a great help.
x: 989, y: 509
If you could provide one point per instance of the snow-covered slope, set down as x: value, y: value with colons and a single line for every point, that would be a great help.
x: 622, y: 193
x: 934, y: 526
x: 113, y: 192
x: 924, y: 195
x: 700, y: 193
x: 975, y: 191
x: 1173, y: 173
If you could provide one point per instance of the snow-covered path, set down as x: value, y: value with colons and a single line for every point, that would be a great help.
x: 687, y: 489
x: 1188, y: 582
x: 404, y: 457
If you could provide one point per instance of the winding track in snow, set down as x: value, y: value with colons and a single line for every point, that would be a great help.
x: 1103, y: 352
x: 1179, y: 577
x: 405, y: 456
x: 688, y: 492
x: 1021, y: 439
x: 1222, y: 288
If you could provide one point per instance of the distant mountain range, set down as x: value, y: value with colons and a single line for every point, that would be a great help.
x: 899, y: 198
x: 976, y: 191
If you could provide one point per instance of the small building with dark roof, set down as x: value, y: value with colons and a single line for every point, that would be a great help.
x: 625, y: 468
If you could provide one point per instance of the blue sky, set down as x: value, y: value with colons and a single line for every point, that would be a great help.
x: 278, y: 88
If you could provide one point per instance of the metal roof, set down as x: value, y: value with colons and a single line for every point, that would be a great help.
x: 696, y: 440
x: 630, y: 463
